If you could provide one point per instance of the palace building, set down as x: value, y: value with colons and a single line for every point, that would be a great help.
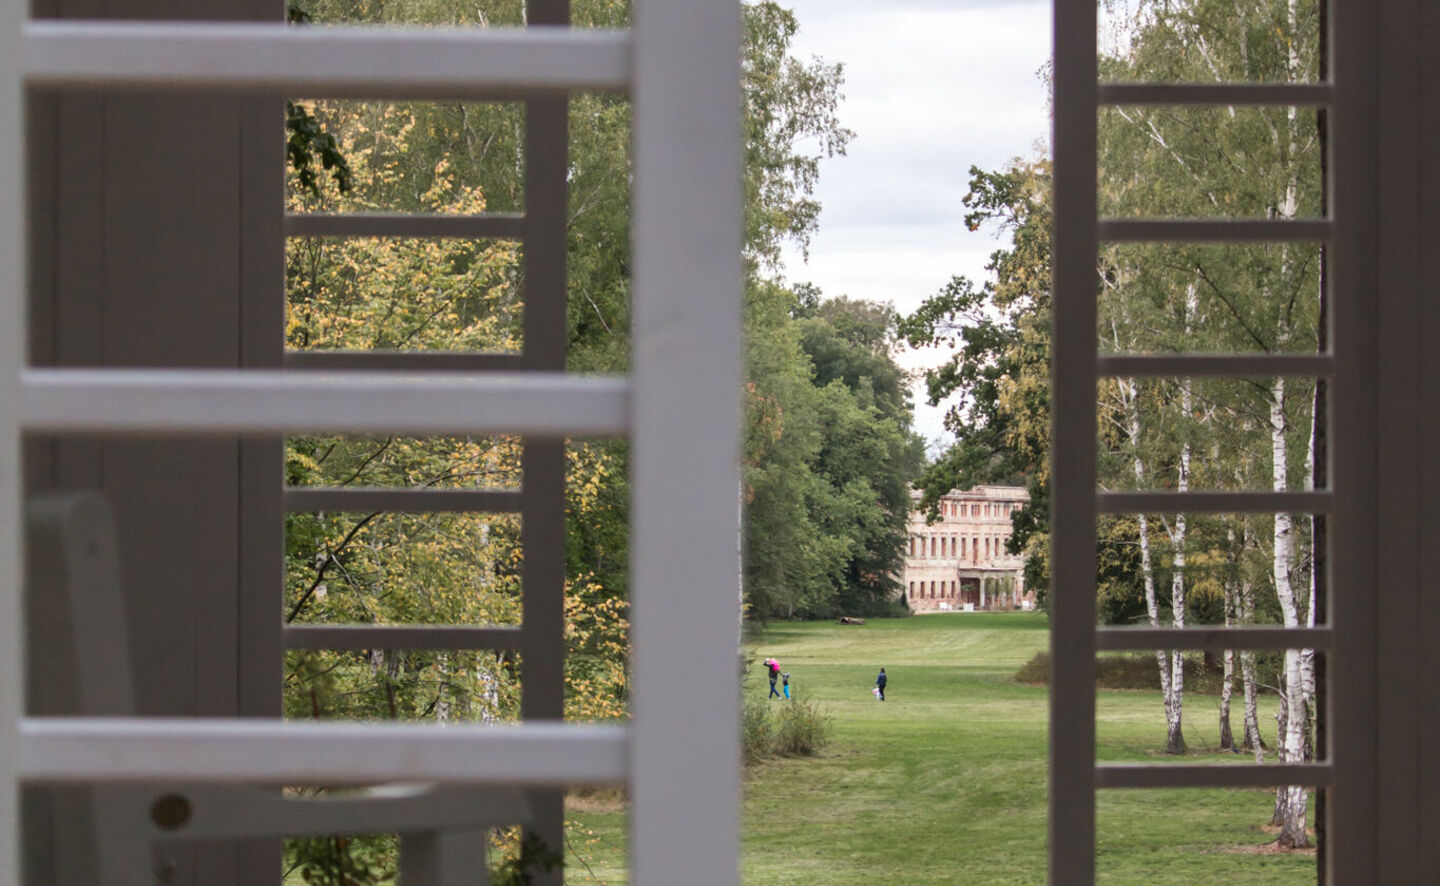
x: 960, y: 562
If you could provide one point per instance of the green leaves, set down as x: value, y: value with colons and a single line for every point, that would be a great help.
x: 997, y: 367
x: 828, y: 458
x: 307, y: 141
x: 1214, y: 162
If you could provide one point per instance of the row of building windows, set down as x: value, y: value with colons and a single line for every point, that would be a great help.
x: 978, y: 509
x: 954, y: 546
x: 945, y: 592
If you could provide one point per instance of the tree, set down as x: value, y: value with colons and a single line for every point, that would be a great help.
x: 454, y: 157
x: 1168, y: 433
x: 828, y: 456
x: 1261, y: 162
x: 999, y: 363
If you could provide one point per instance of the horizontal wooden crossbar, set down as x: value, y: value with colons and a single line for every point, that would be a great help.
x: 1118, y: 230
x: 406, y: 361
x: 1214, y: 639
x: 1214, y: 365
x: 85, y: 749
x: 213, y: 401
x: 496, y: 226
x: 403, y: 501
x: 1239, y: 775
x: 1231, y: 94
x: 324, y: 61
x: 357, y: 637
x: 1213, y: 502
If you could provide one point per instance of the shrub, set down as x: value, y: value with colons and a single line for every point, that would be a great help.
x: 755, y: 731
x: 800, y: 729
x: 782, y: 729
x: 1036, y: 671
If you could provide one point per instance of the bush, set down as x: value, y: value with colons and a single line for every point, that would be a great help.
x: 791, y: 728
x: 756, y: 731
x: 1036, y: 671
x: 800, y: 729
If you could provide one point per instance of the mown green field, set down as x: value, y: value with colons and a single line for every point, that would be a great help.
x: 945, y: 781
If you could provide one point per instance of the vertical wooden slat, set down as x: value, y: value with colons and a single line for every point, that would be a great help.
x: 686, y: 357
x: 544, y: 347
x: 1397, y: 701
x: 261, y: 518
x: 1358, y: 404
x: 12, y: 355
x: 1072, y: 452
x: 261, y: 321
x: 1426, y: 26
x: 542, y: 631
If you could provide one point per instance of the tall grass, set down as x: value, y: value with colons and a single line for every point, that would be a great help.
x: 790, y: 728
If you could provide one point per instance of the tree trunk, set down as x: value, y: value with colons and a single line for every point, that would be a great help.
x: 1245, y: 612
x: 1147, y: 568
x: 1227, y: 688
x: 442, y: 692
x: 1231, y: 608
x: 1307, y: 656
x: 1282, y: 722
x: 1227, y: 676
x: 1174, y: 739
x: 1288, y: 808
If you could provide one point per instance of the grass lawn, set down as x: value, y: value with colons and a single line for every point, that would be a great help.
x: 945, y: 781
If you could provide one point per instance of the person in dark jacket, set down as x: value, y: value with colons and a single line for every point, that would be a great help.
x: 880, y: 682
x: 773, y: 667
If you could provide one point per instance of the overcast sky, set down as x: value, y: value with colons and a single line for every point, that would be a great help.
x: 932, y: 87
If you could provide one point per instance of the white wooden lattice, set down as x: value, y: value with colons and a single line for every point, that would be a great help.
x: 680, y: 406
x: 1074, y: 774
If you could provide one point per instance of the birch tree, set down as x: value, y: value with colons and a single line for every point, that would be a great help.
x: 1230, y: 162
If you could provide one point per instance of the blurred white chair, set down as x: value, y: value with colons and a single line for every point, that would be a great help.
x: 109, y: 835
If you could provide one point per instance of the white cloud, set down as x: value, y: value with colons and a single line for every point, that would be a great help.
x: 932, y: 87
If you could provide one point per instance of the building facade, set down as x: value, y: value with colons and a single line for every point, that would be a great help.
x: 960, y: 562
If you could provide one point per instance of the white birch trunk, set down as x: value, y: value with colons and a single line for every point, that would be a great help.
x: 1227, y: 689
x: 1245, y: 612
x: 1307, y: 656
x: 1175, y: 739
x: 1227, y: 680
x: 1290, y: 801
x: 488, y: 695
x: 442, y: 692
x: 1147, y: 569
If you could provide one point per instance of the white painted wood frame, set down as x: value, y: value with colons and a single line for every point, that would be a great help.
x: 1072, y: 454
x: 543, y: 349
x: 12, y: 360
x: 1348, y: 773
x: 1349, y: 702
x: 325, y: 62
x: 681, y: 408
x: 155, y: 749
x: 686, y: 229
x: 224, y: 401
